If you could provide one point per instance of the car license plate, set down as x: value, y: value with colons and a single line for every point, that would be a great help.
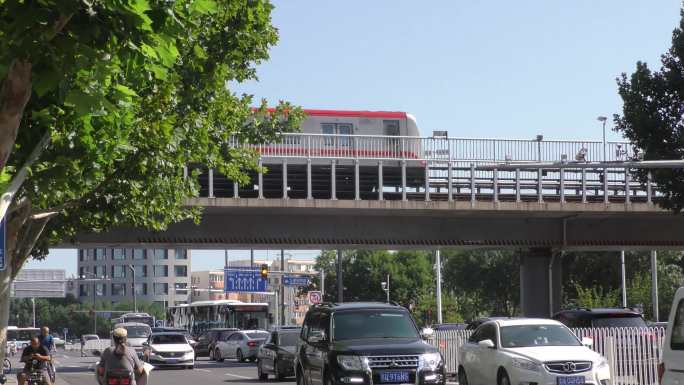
x: 571, y: 380
x: 394, y: 377
x: 171, y: 360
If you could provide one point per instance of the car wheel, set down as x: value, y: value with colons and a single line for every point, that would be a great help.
x: 462, y: 378
x: 260, y: 373
x: 239, y: 356
x: 503, y: 378
x: 217, y: 355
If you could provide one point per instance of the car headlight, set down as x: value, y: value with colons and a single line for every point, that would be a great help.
x: 189, y: 351
x: 602, y: 364
x: 356, y: 363
x: 430, y: 360
x: 524, y: 364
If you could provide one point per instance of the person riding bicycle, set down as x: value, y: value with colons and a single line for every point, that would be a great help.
x: 37, y: 352
x: 119, y: 357
x: 48, y: 342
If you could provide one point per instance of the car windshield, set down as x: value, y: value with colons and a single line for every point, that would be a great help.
x: 619, y: 321
x: 257, y: 335
x: 168, y: 339
x: 288, y: 339
x: 522, y: 336
x: 360, y: 324
x: 138, y: 331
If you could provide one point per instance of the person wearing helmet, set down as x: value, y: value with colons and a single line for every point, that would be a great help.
x: 119, y: 357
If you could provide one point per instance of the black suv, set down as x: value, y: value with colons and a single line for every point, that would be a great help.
x: 365, y: 344
x: 601, y: 318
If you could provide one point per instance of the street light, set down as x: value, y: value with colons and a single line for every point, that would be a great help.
x: 386, y: 287
x: 94, y: 280
x: 603, y: 120
x: 135, y: 295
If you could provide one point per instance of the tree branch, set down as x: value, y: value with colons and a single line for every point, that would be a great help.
x: 28, y: 241
x: 15, y: 93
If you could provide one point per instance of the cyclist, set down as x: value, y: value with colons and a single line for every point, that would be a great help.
x: 37, y: 352
x: 48, y: 342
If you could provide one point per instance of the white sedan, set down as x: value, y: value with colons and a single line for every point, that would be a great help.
x: 169, y: 349
x: 529, y: 351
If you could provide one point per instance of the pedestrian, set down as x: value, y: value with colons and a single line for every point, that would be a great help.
x: 48, y: 342
x: 36, y: 352
x: 119, y: 357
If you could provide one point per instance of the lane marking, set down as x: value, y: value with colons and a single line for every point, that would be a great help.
x: 204, y: 370
x: 238, y: 376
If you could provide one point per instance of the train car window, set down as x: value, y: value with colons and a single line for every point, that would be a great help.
x: 344, y: 129
x: 391, y: 127
x: 328, y: 129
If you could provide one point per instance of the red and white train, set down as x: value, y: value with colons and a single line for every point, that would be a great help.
x: 359, y: 123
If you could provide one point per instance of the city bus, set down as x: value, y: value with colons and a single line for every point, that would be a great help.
x: 142, y: 318
x: 197, y: 317
x: 21, y: 336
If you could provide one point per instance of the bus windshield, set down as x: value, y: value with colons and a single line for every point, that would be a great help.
x: 135, y: 331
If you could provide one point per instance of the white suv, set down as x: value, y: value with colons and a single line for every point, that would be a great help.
x: 529, y: 351
x: 672, y: 367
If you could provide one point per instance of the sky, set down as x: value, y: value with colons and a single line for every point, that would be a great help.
x: 495, y: 69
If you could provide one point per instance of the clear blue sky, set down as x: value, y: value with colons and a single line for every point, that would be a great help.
x: 474, y: 68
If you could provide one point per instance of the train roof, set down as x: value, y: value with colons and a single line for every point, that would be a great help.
x: 356, y: 113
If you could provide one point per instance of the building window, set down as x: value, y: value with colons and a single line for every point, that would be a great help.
x: 99, y: 271
x: 139, y: 254
x: 81, y: 255
x: 118, y: 254
x: 141, y: 289
x: 160, y: 254
x: 100, y: 289
x: 118, y: 289
x: 180, y: 271
x: 118, y: 271
x: 161, y: 288
x: 181, y: 288
x: 99, y: 255
x: 82, y: 271
x: 140, y: 271
x: 181, y: 253
x: 161, y: 271
x: 83, y: 290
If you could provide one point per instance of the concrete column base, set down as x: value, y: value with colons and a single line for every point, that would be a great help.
x: 535, y: 290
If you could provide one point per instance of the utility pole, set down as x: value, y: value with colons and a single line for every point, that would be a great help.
x: 654, y: 284
x: 225, y: 259
x: 135, y: 295
x: 251, y: 258
x: 33, y: 305
x: 603, y: 120
x: 438, y: 267
x: 340, y: 284
x: 322, y: 288
x: 624, y: 278
x: 282, y: 288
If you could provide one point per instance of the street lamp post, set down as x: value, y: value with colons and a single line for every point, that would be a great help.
x: 386, y: 287
x: 603, y: 120
x: 135, y: 295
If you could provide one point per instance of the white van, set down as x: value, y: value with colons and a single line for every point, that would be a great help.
x: 672, y: 367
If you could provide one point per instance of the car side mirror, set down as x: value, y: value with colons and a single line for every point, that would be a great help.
x: 427, y: 333
x: 489, y: 344
x: 588, y: 342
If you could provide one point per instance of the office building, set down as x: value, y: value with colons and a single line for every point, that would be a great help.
x: 161, y: 275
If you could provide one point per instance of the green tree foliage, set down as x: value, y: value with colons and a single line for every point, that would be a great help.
x: 483, y: 282
x: 652, y: 117
x: 595, y: 297
x: 128, y: 92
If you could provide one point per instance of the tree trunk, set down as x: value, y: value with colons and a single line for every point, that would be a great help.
x: 15, y: 92
x: 5, y: 284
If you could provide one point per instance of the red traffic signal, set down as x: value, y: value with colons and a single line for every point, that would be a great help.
x: 264, y: 271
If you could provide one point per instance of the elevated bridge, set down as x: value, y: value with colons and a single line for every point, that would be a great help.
x: 337, y: 192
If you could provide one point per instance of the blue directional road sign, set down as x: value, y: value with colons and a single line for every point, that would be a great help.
x: 2, y: 244
x: 294, y: 280
x: 238, y: 280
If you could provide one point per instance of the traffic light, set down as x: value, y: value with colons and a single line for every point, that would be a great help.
x: 264, y: 271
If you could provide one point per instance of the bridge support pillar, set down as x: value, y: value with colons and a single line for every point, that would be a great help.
x: 540, y: 283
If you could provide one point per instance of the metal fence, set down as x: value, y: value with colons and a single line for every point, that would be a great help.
x: 295, y: 145
x: 633, y: 354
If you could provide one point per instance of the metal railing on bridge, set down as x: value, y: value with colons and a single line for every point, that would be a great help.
x: 363, y: 167
x: 633, y: 354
